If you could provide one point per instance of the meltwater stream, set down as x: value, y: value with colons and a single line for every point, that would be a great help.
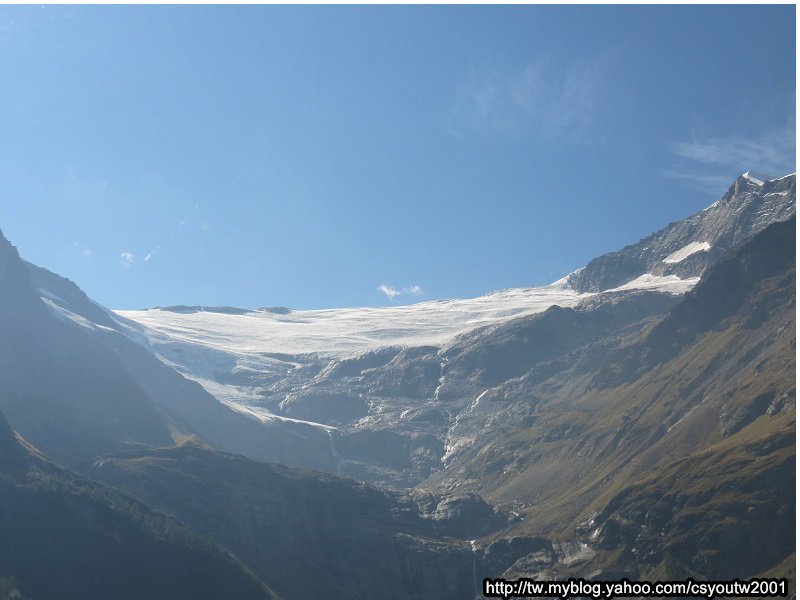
x: 337, y: 458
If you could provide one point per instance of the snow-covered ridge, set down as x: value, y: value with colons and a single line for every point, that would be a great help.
x: 346, y: 330
x: 355, y: 330
x: 226, y: 333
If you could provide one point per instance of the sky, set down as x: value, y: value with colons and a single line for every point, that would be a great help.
x: 322, y: 156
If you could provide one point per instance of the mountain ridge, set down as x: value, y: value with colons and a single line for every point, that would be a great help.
x: 381, y: 403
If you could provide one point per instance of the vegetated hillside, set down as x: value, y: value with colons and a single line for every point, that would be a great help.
x: 314, y: 535
x: 723, y: 512
x: 661, y: 450
x: 68, y: 538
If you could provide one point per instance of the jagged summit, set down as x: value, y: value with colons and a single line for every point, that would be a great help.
x: 686, y: 248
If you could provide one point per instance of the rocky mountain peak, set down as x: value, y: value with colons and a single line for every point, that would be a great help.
x: 685, y: 249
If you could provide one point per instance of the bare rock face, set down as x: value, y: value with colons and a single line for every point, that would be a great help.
x: 329, y: 407
x: 465, y: 516
x: 501, y: 554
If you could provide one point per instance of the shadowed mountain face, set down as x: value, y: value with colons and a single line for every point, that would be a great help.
x: 67, y: 537
x: 312, y: 534
x: 185, y: 406
x: 61, y: 389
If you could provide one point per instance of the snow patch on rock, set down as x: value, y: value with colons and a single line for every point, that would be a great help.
x: 687, y: 251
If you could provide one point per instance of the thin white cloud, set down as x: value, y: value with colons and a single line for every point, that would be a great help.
x: 709, y: 163
x: 541, y: 99
x: 771, y: 151
x: 126, y: 259
x: 707, y: 182
x: 390, y: 292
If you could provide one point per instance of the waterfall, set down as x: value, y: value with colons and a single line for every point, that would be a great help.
x: 476, y: 591
x: 337, y: 458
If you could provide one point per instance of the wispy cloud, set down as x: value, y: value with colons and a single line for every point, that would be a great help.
x: 543, y: 99
x: 391, y: 292
x: 708, y: 163
x: 771, y: 151
x: 707, y: 182
x: 126, y: 259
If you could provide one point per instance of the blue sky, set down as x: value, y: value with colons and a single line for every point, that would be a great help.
x: 306, y: 156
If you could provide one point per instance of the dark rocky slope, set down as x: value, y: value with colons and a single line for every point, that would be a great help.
x: 313, y: 535
x: 66, y: 537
